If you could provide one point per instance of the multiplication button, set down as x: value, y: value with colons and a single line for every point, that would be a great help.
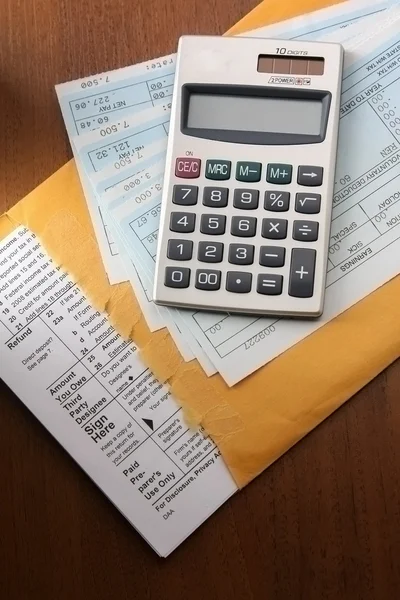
x: 274, y: 229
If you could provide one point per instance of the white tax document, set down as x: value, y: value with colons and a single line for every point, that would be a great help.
x: 90, y: 389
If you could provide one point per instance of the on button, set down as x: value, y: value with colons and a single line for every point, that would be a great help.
x: 187, y: 168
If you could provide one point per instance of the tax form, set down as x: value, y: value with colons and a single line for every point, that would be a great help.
x: 92, y: 102
x: 90, y: 389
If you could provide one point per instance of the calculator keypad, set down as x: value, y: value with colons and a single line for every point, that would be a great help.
x: 283, y: 264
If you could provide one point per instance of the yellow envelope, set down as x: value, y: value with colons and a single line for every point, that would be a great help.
x: 256, y: 421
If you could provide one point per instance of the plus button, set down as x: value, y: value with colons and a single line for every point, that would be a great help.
x: 302, y: 272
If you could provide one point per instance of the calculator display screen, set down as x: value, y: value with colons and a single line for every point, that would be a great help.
x: 255, y: 114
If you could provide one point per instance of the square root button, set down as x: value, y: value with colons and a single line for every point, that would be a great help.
x: 187, y: 168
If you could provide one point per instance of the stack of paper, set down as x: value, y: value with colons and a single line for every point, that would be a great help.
x: 118, y: 127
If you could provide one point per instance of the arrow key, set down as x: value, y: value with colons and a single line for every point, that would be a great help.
x: 310, y: 175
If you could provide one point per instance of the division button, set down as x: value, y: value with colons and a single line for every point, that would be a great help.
x: 180, y: 249
x: 177, y: 277
x: 302, y: 271
x: 310, y: 175
x: 270, y: 285
x: 308, y: 203
x: 187, y: 168
x: 272, y: 256
x: 208, y: 279
x: 185, y: 195
x: 305, y: 231
x: 248, y: 172
x: 237, y: 282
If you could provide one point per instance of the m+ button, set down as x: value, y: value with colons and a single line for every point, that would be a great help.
x: 279, y: 174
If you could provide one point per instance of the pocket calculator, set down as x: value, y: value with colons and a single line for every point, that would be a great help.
x: 247, y: 195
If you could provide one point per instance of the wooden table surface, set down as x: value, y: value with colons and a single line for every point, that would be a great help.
x: 323, y: 522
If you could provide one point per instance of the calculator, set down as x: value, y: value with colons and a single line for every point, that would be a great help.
x: 247, y: 195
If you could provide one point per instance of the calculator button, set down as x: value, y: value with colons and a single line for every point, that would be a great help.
x: 185, y: 195
x: 272, y: 256
x: 312, y: 176
x: 243, y: 226
x: 177, y: 277
x: 241, y: 254
x: 302, y: 270
x: 246, y: 199
x: 277, y: 201
x: 215, y: 196
x: 213, y: 224
x: 308, y: 204
x: 271, y: 285
x: 180, y: 249
x: 218, y: 169
x: 279, y: 173
x: 274, y: 229
x: 208, y: 279
x: 237, y: 282
x: 187, y: 168
x: 248, y: 172
x: 211, y: 252
x: 181, y: 222
x: 305, y: 231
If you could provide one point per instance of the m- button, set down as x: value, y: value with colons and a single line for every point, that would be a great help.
x: 187, y: 168
x: 218, y: 169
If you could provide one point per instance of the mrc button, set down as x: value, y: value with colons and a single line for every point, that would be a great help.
x: 218, y: 169
x: 187, y: 168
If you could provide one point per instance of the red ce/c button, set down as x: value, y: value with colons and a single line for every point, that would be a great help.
x: 187, y: 168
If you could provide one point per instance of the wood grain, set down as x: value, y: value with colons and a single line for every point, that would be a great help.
x: 321, y: 523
